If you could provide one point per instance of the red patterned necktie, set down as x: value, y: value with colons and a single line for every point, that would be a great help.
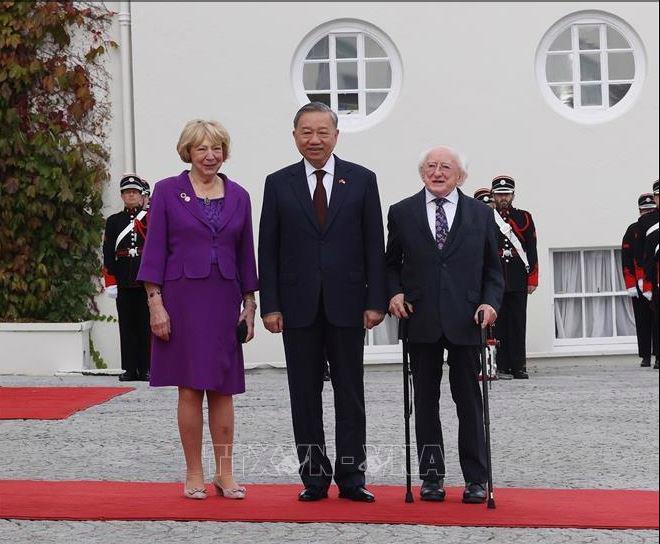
x: 320, y: 198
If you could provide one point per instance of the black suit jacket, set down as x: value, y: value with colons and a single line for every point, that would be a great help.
x: 445, y: 287
x: 346, y: 258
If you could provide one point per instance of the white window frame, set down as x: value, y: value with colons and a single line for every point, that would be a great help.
x: 358, y: 121
x: 382, y: 352
x: 584, y: 340
x: 591, y: 114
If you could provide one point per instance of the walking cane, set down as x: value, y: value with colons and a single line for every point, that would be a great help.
x: 484, y: 387
x: 407, y: 408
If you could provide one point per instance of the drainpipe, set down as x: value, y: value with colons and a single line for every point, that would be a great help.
x: 128, y: 115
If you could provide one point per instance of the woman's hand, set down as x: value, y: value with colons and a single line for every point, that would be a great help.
x: 159, y: 320
x: 247, y: 315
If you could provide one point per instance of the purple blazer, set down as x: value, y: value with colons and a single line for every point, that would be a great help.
x: 180, y: 239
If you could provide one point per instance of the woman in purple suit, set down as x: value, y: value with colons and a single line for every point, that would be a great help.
x: 198, y: 268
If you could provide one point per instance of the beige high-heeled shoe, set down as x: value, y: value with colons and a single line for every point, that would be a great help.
x: 229, y: 493
x: 194, y: 493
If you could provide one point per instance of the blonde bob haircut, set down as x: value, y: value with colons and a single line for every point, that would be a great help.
x: 196, y: 131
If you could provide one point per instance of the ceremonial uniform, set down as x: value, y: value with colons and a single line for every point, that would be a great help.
x: 518, y: 256
x: 632, y: 272
x: 484, y: 195
x: 647, y: 257
x: 125, y: 234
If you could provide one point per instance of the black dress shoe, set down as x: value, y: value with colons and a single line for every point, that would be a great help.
x: 520, y: 375
x: 646, y: 361
x: 474, y: 493
x: 313, y: 493
x: 432, y: 491
x: 128, y: 377
x: 358, y: 494
x: 144, y: 377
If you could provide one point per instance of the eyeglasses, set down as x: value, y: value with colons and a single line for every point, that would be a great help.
x: 443, y: 166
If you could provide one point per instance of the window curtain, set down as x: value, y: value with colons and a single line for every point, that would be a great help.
x: 598, y: 279
x: 568, y: 279
x: 599, y: 311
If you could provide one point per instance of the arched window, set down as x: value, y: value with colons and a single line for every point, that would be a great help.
x: 352, y: 67
x: 590, y: 66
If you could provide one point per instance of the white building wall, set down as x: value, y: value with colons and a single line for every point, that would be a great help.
x: 468, y: 81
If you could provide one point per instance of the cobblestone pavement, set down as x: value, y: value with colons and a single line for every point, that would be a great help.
x: 587, y: 422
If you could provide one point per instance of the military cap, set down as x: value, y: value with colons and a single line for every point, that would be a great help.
x: 483, y: 195
x: 655, y: 187
x: 503, y: 184
x: 146, y: 189
x: 646, y: 201
x: 131, y: 181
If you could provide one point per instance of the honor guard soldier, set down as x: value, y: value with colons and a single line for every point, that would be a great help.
x: 648, y: 257
x: 125, y: 233
x: 484, y: 195
x: 517, y: 249
x: 146, y: 195
x: 632, y: 272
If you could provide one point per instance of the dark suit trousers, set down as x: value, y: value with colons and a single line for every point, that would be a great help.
x: 426, y: 363
x: 134, y: 329
x: 510, y: 330
x: 306, y: 349
x: 646, y: 341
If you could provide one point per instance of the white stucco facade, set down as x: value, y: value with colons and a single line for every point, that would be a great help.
x: 467, y: 79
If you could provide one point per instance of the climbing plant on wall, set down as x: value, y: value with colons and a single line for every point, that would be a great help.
x: 54, y: 110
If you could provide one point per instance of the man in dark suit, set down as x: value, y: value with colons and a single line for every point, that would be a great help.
x: 322, y: 282
x: 647, y: 257
x: 443, y: 269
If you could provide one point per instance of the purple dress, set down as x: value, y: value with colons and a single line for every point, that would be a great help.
x: 202, y: 256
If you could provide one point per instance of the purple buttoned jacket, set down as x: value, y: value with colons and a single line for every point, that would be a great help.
x: 180, y: 240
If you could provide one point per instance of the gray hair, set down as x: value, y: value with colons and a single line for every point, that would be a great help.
x: 315, y: 106
x: 461, y: 159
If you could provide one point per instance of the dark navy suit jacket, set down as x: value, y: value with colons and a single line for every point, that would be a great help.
x: 444, y: 286
x: 346, y: 258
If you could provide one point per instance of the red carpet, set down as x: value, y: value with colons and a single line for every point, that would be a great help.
x: 52, y: 402
x: 85, y: 500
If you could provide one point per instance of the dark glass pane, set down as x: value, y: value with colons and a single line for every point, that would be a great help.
x: 617, y: 92
x: 348, y: 103
x: 325, y: 98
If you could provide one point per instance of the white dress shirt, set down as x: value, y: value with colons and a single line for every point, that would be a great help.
x: 329, y: 168
x: 450, y: 208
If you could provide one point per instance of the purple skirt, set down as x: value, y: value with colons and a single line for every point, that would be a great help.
x: 202, y: 352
